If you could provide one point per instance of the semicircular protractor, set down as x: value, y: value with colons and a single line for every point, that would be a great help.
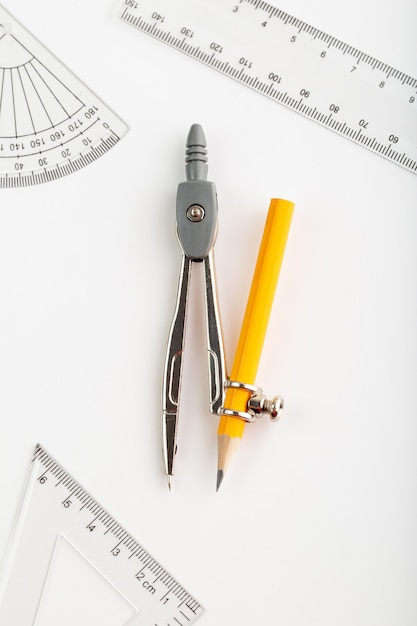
x: 51, y: 124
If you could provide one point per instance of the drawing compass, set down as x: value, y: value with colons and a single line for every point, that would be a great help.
x: 197, y: 229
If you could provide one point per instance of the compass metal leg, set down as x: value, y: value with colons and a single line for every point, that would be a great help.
x: 215, y: 343
x: 173, y: 369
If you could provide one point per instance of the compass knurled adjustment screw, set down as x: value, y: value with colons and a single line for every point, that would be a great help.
x: 260, y: 405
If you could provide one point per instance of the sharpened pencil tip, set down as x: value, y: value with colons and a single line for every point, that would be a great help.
x: 169, y: 480
x: 220, y: 476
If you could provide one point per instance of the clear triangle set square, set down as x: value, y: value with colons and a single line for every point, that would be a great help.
x: 64, y: 541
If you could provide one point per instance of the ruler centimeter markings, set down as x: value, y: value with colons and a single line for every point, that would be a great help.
x: 51, y: 124
x: 55, y: 505
x: 294, y: 64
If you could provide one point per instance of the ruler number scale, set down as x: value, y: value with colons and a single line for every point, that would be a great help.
x: 293, y: 63
x: 55, y: 505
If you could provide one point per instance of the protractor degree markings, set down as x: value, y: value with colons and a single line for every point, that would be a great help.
x: 17, y: 56
x: 32, y: 57
x: 51, y: 123
x: 48, y: 97
x: 26, y: 100
x: 33, y: 100
x: 20, y: 56
x: 58, y: 170
x: 55, y: 146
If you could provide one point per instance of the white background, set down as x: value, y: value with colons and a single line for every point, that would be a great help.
x: 315, y: 523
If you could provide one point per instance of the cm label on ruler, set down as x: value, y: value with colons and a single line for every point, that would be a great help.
x: 294, y: 64
x: 57, y: 513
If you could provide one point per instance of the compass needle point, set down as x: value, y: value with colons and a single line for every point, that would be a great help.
x: 197, y: 217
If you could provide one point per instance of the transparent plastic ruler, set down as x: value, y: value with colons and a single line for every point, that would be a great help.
x: 51, y: 124
x: 58, y: 517
x: 294, y: 64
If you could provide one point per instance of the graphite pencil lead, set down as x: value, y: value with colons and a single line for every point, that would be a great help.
x: 220, y: 476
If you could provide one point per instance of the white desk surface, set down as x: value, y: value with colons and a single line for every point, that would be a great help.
x: 316, y: 519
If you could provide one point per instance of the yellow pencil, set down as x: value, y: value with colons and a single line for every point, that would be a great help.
x: 254, y: 326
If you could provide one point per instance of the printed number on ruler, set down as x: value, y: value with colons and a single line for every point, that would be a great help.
x: 294, y: 64
x: 55, y: 508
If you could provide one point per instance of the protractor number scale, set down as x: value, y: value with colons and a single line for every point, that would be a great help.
x: 294, y: 64
x: 51, y: 124
x: 56, y: 508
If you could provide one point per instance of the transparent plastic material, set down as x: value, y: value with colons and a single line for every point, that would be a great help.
x: 51, y: 124
x: 69, y: 562
x: 292, y: 63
